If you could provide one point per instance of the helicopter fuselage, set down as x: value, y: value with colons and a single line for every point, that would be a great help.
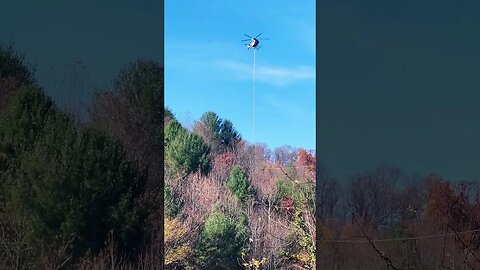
x: 253, y: 43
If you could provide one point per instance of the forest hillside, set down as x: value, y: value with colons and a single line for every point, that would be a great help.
x: 233, y: 205
x: 76, y: 194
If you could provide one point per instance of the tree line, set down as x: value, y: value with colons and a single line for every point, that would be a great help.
x: 386, y: 219
x: 74, y: 193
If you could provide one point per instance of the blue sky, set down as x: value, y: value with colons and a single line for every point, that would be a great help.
x: 208, y: 68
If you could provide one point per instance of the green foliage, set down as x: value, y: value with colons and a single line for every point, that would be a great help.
x: 172, y: 203
x: 76, y: 185
x: 302, y: 194
x: 303, y: 249
x: 132, y: 111
x: 168, y: 114
x: 228, y: 135
x: 242, y: 229
x: 64, y: 183
x: 172, y: 130
x: 141, y: 84
x: 212, y: 122
x: 3, y: 162
x: 185, y: 152
x: 14, y: 73
x: 238, y: 183
x: 23, y: 121
x: 305, y: 242
x: 12, y: 64
x: 221, y: 241
x: 219, y: 134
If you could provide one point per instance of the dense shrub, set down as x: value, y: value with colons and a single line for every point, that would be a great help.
x: 302, y: 194
x: 221, y: 241
x: 172, y: 201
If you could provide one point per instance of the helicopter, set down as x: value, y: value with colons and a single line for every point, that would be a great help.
x: 254, y: 41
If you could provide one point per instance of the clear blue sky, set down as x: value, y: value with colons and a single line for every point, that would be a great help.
x: 208, y: 68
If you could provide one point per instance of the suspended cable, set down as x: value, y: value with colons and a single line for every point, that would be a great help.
x: 253, y: 109
x: 400, y: 239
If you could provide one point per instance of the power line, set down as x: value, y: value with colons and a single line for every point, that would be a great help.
x: 301, y: 166
x: 401, y: 239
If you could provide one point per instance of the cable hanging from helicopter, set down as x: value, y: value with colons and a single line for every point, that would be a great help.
x: 254, y: 44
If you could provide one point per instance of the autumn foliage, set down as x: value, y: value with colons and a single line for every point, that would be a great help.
x: 245, y: 207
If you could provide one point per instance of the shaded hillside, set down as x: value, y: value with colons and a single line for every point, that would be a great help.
x: 71, y: 193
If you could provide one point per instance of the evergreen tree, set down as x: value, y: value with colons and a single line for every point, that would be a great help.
x: 63, y: 184
x: 221, y: 241
x: 238, y: 183
x: 185, y: 152
x: 218, y: 134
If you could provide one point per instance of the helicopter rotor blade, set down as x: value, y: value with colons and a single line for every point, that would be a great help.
x: 246, y: 39
x: 258, y: 35
x: 247, y: 35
